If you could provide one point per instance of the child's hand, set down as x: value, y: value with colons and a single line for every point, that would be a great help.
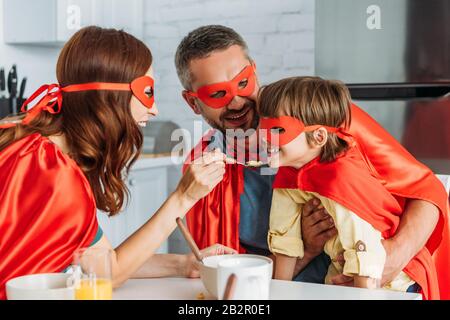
x: 341, y: 279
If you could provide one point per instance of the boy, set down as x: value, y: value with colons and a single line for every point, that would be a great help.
x: 306, y: 120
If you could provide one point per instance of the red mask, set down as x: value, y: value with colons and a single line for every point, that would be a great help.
x: 282, y: 130
x: 219, y: 95
x: 142, y: 89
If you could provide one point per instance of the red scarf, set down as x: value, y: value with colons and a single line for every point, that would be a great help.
x: 47, y: 209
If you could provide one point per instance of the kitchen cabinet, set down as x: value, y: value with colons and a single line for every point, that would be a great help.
x: 52, y: 22
x: 149, y: 186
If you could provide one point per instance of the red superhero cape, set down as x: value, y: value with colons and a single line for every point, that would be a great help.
x: 47, y: 209
x: 215, y: 218
x: 400, y: 172
x: 348, y: 182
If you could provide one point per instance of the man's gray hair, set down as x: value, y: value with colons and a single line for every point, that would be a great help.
x: 200, y: 43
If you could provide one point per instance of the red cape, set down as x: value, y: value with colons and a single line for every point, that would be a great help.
x: 215, y: 218
x: 47, y: 209
x: 401, y: 173
x: 348, y: 182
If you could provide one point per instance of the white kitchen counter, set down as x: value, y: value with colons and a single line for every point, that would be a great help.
x: 188, y: 289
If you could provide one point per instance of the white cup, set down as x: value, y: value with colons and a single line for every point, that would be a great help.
x: 44, y: 286
x: 253, y: 274
x: 208, y: 272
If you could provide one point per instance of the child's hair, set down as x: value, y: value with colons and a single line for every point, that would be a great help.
x: 99, y: 128
x: 312, y: 100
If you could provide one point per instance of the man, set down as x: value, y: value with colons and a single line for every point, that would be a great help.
x: 212, y: 64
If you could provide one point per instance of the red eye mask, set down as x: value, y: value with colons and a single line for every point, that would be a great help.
x: 282, y: 130
x: 142, y: 89
x: 218, y: 95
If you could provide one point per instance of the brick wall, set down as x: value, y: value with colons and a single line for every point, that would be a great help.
x: 280, y: 35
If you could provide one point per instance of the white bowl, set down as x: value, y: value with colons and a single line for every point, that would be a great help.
x: 208, y: 270
x: 44, y: 286
x: 253, y: 275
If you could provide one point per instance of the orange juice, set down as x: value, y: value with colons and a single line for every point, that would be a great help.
x: 90, y: 289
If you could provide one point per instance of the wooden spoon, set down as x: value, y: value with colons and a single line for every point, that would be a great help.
x: 187, y: 235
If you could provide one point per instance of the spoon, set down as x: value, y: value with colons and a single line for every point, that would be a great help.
x: 187, y: 235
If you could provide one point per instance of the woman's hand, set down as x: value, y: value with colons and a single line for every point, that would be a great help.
x: 191, y: 267
x: 202, y: 175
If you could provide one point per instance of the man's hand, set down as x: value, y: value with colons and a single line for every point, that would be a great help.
x: 393, y: 264
x: 416, y: 226
x: 317, y: 228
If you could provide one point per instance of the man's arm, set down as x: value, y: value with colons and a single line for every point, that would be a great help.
x: 416, y: 226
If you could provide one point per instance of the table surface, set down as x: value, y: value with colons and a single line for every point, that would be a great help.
x: 189, y: 289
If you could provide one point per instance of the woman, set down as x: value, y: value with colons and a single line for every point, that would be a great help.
x: 66, y: 158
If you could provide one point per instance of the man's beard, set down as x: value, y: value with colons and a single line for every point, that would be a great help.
x: 236, y: 142
x: 249, y: 105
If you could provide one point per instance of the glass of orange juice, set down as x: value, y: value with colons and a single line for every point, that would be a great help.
x: 92, y: 274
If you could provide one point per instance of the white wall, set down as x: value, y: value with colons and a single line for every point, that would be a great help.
x: 37, y: 63
x: 280, y: 35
